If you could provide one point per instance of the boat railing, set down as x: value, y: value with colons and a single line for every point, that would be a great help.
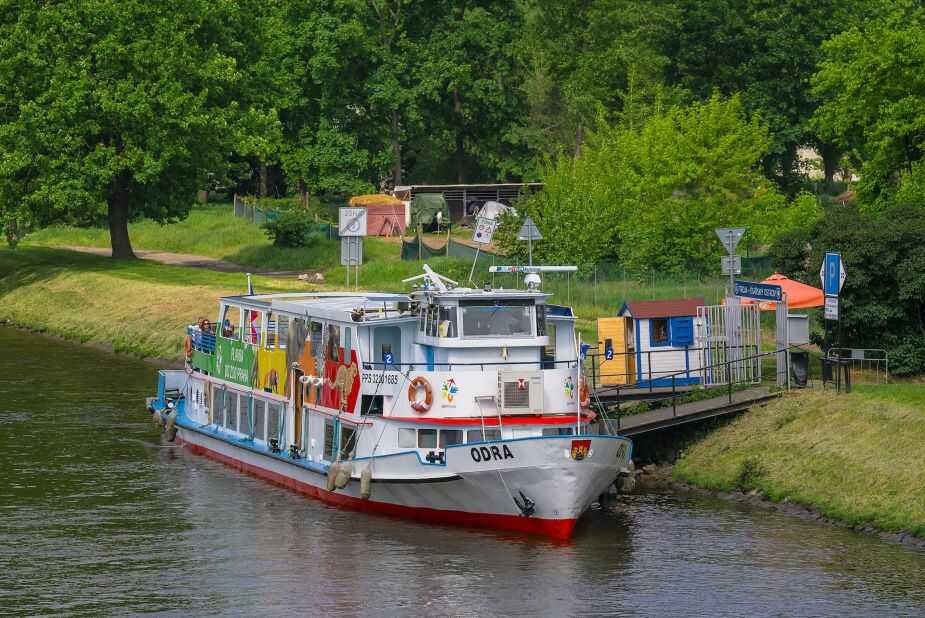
x: 202, y: 341
x: 425, y: 366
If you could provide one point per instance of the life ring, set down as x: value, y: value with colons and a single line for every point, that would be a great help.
x: 420, y: 405
x: 188, y: 346
x: 584, y: 399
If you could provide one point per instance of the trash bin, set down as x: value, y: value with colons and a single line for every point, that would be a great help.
x: 799, y: 368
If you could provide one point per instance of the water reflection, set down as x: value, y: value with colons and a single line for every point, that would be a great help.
x: 97, y: 515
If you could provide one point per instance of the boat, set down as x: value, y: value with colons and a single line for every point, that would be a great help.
x: 446, y: 404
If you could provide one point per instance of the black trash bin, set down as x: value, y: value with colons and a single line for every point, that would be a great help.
x: 799, y: 368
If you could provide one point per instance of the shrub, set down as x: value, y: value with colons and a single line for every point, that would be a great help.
x: 294, y: 227
x: 907, y: 358
x: 750, y: 472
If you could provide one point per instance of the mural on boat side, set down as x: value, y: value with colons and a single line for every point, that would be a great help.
x: 234, y: 361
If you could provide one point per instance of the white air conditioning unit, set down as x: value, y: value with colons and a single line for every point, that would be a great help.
x: 520, y: 392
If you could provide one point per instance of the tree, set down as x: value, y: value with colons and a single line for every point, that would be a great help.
x: 119, y: 107
x: 649, y: 196
x: 872, y: 84
x: 767, y: 53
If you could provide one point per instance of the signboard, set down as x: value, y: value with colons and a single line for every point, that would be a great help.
x: 351, y: 222
x: 234, y: 361
x: 758, y: 291
x: 484, y: 230
x: 832, y: 273
x: 529, y: 231
x: 732, y: 264
x: 730, y: 237
x: 831, y: 307
x: 351, y: 250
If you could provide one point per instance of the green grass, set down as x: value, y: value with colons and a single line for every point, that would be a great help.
x: 854, y: 457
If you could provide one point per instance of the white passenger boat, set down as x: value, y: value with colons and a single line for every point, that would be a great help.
x: 447, y: 404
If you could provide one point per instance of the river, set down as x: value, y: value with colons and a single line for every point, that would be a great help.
x: 99, y: 516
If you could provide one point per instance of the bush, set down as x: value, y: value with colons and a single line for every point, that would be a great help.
x: 907, y: 358
x: 750, y: 472
x: 294, y: 227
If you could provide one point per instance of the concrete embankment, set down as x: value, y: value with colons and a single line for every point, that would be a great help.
x: 852, y: 458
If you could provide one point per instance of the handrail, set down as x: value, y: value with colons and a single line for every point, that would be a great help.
x: 385, y: 366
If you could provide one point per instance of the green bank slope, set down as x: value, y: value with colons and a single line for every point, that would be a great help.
x: 857, y: 458
x: 137, y: 307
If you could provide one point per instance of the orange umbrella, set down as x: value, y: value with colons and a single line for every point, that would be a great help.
x: 799, y: 295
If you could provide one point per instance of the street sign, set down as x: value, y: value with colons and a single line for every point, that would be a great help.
x: 484, y: 230
x: 730, y: 237
x: 351, y: 222
x: 732, y: 264
x: 831, y: 307
x: 351, y: 250
x: 832, y: 273
x: 758, y: 291
x: 529, y: 231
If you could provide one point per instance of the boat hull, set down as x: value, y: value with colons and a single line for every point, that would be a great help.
x: 474, y: 487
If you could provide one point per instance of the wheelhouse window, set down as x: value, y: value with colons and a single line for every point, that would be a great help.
x: 446, y: 324
x: 658, y: 332
x: 230, y: 322
x: 252, y: 326
x: 332, y: 349
x: 541, y: 320
x: 497, y: 318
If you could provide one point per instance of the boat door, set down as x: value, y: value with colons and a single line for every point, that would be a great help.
x: 387, y: 344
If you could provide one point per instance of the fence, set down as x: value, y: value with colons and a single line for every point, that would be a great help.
x: 252, y: 212
x: 863, y: 365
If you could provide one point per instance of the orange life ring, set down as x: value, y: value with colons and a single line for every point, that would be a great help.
x: 584, y: 399
x: 188, y: 346
x: 416, y: 404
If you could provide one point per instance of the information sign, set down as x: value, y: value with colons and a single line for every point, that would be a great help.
x: 758, y: 291
x: 831, y: 307
x: 351, y: 222
x: 484, y: 230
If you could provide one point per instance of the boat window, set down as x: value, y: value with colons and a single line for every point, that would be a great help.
x: 541, y: 320
x: 260, y: 417
x: 348, y: 444
x: 246, y: 415
x: 491, y: 318
x: 449, y: 437
x: 432, y: 320
x: 348, y: 343
x: 446, y: 326
x: 557, y: 431
x: 277, y: 331
x: 316, y: 336
x: 231, y: 410
x: 332, y: 346
x: 252, y: 326
x: 407, y: 438
x: 218, y: 405
x: 329, y: 443
x: 475, y: 435
x: 371, y: 405
x: 230, y: 322
x: 274, y: 422
x: 427, y: 438
x: 422, y: 318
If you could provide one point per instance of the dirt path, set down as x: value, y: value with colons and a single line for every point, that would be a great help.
x: 192, y: 261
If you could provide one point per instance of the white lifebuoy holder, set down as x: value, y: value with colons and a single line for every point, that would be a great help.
x: 420, y: 405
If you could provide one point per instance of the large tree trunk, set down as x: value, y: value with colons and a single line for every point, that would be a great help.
x: 460, y: 138
x: 396, y: 148
x: 830, y: 157
x: 303, y: 193
x: 264, y: 180
x: 118, y: 203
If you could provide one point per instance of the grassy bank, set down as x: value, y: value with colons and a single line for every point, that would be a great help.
x: 855, y: 458
x: 137, y: 307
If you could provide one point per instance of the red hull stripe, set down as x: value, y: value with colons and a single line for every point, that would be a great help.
x: 560, y: 529
x: 491, y: 421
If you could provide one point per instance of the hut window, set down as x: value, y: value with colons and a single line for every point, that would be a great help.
x: 658, y: 335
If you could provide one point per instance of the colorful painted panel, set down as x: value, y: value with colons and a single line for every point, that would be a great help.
x: 341, y: 386
x: 203, y: 362
x: 272, y: 373
x: 234, y: 361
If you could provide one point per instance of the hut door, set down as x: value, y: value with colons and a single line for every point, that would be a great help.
x: 616, y: 359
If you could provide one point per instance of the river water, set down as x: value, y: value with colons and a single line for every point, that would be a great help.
x: 99, y: 516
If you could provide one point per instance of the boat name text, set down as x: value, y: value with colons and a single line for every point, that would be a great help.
x: 489, y: 453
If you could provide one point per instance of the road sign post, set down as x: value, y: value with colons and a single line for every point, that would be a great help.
x: 529, y: 232
x: 481, y: 235
x: 832, y: 273
x: 351, y: 227
x: 730, y: 237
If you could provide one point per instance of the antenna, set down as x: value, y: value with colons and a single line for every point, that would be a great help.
x: 435, y: 279
x: 532, y: 278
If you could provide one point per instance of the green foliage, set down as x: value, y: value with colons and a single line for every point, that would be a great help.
x: 749, y: 474
x: 649, y: 197
x: 294, y: 227
x: 872, y: 87
x: 907, y: 358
